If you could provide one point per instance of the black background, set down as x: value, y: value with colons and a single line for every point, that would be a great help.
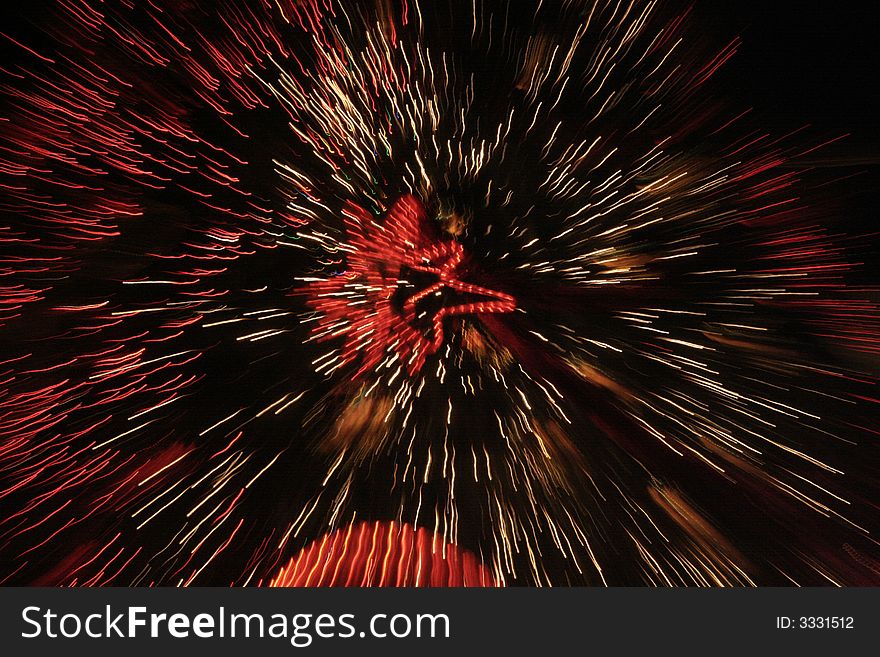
x: 804, y: 62
x: 812, y: 65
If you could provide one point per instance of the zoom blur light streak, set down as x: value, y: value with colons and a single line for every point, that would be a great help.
x: 509, y: 284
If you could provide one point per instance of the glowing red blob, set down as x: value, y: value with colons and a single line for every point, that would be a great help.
x: 383, y: 554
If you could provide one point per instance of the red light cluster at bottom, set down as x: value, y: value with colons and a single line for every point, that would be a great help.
x: 383, y: 554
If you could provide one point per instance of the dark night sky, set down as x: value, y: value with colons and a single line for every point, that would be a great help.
x: 805, y: 62
x: 812, y: 64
